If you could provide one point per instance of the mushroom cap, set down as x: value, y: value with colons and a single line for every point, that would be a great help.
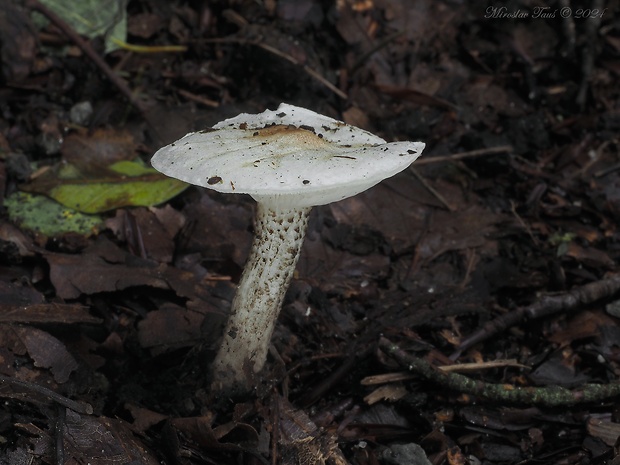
x: 291, y: 155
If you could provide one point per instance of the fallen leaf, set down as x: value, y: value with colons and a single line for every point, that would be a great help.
x: 124, y: 183
x: 94, y: 18
x: 170, y: 327
x: 93, y: 152
x: 149, y: 233
x: 48, y: 352
x: 605, y: 430
x: 103, y: 267
x: 102, y: 441
x: 46, y: 313
x: 42, y: 215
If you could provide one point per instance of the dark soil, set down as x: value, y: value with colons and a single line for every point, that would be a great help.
x: 464, y: 311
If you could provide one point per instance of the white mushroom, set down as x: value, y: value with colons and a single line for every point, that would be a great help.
x: 288, y: 160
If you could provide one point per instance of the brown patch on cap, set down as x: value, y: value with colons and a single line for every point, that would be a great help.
x: 296, y: 135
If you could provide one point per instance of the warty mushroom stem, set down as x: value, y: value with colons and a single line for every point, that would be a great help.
x: 279, y: 235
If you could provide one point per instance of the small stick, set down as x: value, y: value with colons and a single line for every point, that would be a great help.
x: 243, y: 23
x: 460, y: 156
x: 545, y: 306
x: 312, y: 73
x: 79, y: 407
x: 433, y: 191
x: 375, y: 48
x: 524, y: 225
x: 549, y: 396
x: 478, y: 366
x: 606, y: 171
x: 198, y: 98
x: 386, y: 378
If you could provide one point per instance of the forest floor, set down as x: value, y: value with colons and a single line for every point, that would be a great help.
x: 464, y: 311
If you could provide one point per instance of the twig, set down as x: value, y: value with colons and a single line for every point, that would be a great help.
x: 244, y: 24
x: 477, y: 366
x: 524, y: 225
x: 471, y: 261
x: 207, y: 102
x: 608, y: 170
x: 375, y: 48
x: 545, y: 306
x: 79, y: 407
x: 277, y: 52
x: 335, y: 378
x: 149, y: 48
x: 312, y: 73
x: 432, y: 190
x: 549, y: 396
x: 460, y: 156
x: 119, y: 82
x: 593, y: 160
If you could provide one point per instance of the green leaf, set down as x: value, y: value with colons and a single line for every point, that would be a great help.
x: 42, y: 215
x: 122, y: 184
x: 94, y: 18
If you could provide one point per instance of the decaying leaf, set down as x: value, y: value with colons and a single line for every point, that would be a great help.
x: 103, y: 267
x: 48, y: 352
x: 103, y: 441
x: 42, y: 215
x: 170, y: 327
x: 123, y: 183
x: 94, y: 18
x: 302, y: 442
x: 94, y: 151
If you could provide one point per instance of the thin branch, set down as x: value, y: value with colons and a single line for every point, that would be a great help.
x: 431, y: 189
x: 375, y: 48
x: 548, y: 396
x: 311, y: 72
x: 545, y: 306
x: 462, y: 155
x: 207, y: 102
x: 243, y: 23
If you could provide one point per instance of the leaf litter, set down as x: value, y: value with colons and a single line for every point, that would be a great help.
x: 502, y: 255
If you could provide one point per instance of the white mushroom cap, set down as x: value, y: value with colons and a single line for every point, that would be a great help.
x: 302, y: 158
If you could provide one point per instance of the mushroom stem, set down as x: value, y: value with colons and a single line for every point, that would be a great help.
x: 279, y: 235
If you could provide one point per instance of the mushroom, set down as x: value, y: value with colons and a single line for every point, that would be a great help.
x: 288, y: 160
